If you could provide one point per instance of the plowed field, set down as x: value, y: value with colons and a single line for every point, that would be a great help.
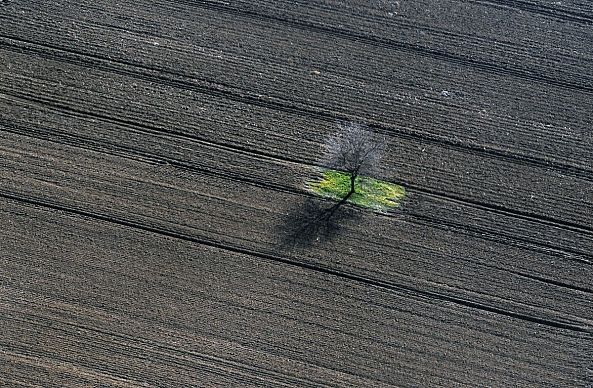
x: 153, y: 156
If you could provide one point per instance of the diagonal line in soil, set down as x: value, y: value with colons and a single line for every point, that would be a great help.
x: 388, y: 286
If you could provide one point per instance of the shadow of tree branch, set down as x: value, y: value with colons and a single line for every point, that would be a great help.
x: 316, y: 221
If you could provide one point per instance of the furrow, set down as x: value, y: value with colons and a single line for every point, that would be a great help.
x: 151, y: 158
x: 206, y: 87
x: 540, y: 9
x: 106, y: 376
x: 82, y: 142
x: 137, y: 127
x: 404, y: 47
x: 370, y: 20
x: 511, y: 239
x: 504, y: 211
x: 156, y: 351
x: 392, y: 287
x: 555, y: 282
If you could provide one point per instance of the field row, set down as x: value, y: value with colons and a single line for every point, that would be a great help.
x: 271, y: 62
x: 561, y: 195
x: 155, y: 160
x: 450, y: 260
x: 169, y: 312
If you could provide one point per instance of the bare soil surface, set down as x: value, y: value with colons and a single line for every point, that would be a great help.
x: 153, y: 160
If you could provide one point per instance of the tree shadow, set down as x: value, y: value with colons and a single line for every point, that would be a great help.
x: 354, y: 149
x: 316, y: 221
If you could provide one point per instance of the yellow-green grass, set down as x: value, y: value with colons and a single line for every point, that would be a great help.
x: 368, y: 192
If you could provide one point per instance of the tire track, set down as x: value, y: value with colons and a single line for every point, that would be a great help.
x: 151, y: 159
x: 540, y: 9
x: 510, y: 239
x: 554, y: 282
x: 415, y: 328
x: 154, y: 159
x: 206, y: 87
x: 239, y: 306
x: 152, y: 130
x: 145, y: 347
x: 19, y: 355
x: 388, y: 286
x: 368, y: 20
x: 377, y: 41
x: 504, y: 211
x: 563, y: 252
x: 558, y: 325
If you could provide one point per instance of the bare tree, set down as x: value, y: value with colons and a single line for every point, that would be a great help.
x: 356, y: 150
x: 353, y: 149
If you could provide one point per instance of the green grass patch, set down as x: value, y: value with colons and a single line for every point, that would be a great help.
x: 369, y: 192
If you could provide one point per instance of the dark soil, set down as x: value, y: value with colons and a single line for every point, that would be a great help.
x: 153, y: 160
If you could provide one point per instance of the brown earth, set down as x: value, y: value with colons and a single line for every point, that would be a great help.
x: 154, y: 155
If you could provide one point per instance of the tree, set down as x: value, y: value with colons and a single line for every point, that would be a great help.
x: 356, y: 150
x: 353, y: 149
